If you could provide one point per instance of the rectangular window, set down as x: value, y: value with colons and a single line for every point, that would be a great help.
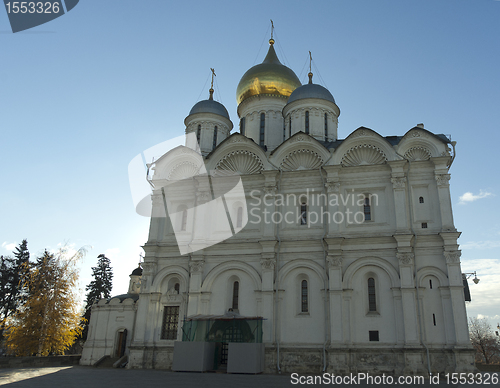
x: 372, y: 299
x: 242, y: 126
x: 424, y: 225
x: 170, y: 323
x: 367, y: 209
x: 262, y: 138
x: 373, y: 335
x: 307, y: 122
x: 303, y: 214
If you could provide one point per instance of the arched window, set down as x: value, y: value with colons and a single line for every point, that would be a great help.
x: 184, y: 220
x: 198, y: 134
x: 421, y: 200
x: 367, y: 209
x: 326, y: 126
x: 372, y: 301
x: 242, y: 126
x: 303, y: 213
x: 236, y: 291
x: 215, y: 137
x: 262, y: 129
x: 239, y: 217
x: 177, y: 287
x: 304, y: 307
x: 307, y: 121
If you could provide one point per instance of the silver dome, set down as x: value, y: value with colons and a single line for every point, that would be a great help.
x: 311, y: 91
x: 209, y: 106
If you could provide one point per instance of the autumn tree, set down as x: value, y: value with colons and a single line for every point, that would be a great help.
x: 12, y: 271
x: 48, y: 322
x: 99, y: 288
x: 484, y: 341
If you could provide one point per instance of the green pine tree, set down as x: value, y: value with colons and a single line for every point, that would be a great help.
x: 98, y: 288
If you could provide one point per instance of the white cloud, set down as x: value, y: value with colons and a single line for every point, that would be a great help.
x: 469, y: 197
x: 112, y: 253
x: 9, y: 246
x: 487, y: 244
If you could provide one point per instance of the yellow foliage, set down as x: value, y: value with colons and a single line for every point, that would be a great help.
x: 48, y: 322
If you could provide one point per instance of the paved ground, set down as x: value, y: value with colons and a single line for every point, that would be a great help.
x: 89, y: 377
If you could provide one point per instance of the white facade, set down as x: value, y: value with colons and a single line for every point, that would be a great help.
x: 384, y: 289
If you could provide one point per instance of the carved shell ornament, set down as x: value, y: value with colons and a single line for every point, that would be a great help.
x: 362, y: 155
x: 416, y: 154
x: 239, y: 162
x: 301, y: 160
x: 183, y: 170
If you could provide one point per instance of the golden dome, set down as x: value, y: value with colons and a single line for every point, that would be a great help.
x: 270, y: 77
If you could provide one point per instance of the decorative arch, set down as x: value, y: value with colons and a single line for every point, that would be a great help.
x: 230, y: 266
x: 300, y: 152
x: 419, y: 144
x: 433, y: 271
x: 362, y: 155
x: 183, y: 170
x: 374, y: 261
x: 302, y: 159
x: 418, y: 153
x: 241, y: 162
x: 167, y: 271
x: 302, y: 263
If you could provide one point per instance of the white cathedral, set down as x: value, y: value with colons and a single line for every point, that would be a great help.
x: 363, y: 276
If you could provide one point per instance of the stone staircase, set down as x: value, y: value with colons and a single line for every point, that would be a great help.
x: 106, y: 362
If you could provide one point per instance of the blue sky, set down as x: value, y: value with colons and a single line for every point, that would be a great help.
x: 84, y: 94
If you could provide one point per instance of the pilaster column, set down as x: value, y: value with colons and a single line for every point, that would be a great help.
x: 332, y: 186
x: 335, y: 286
x: 443, y: 187
x: 457, y: 297
x: 196, y: 277
x: 268, y: 264
x: 401, y: 210
x: 408, y: 297
x: 269, y: 204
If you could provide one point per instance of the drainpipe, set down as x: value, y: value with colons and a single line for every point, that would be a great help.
x: 277, y: 281
x: 410, y: 202
x: 327, y: 310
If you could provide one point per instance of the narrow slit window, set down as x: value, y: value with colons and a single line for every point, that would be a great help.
x: 290, y: 126
x: 303, y: 214
x: 236, y: 291
x: 284, y: 130
x: 198, y: 134
x: 184, y: 220
x: 215, y: 137
x: 262, y: 129
x: 430, y: 284
x: 434, y: 319
x: 421, y: 200
x: 326, y: 126
x: 367, y: 210
x: 239, y: 217
x: 372, y: 300
x: 242, y: 126
x: 307, y: 122
x: 304, y: 308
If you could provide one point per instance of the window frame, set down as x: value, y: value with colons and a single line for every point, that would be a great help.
x: 170, y: 333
